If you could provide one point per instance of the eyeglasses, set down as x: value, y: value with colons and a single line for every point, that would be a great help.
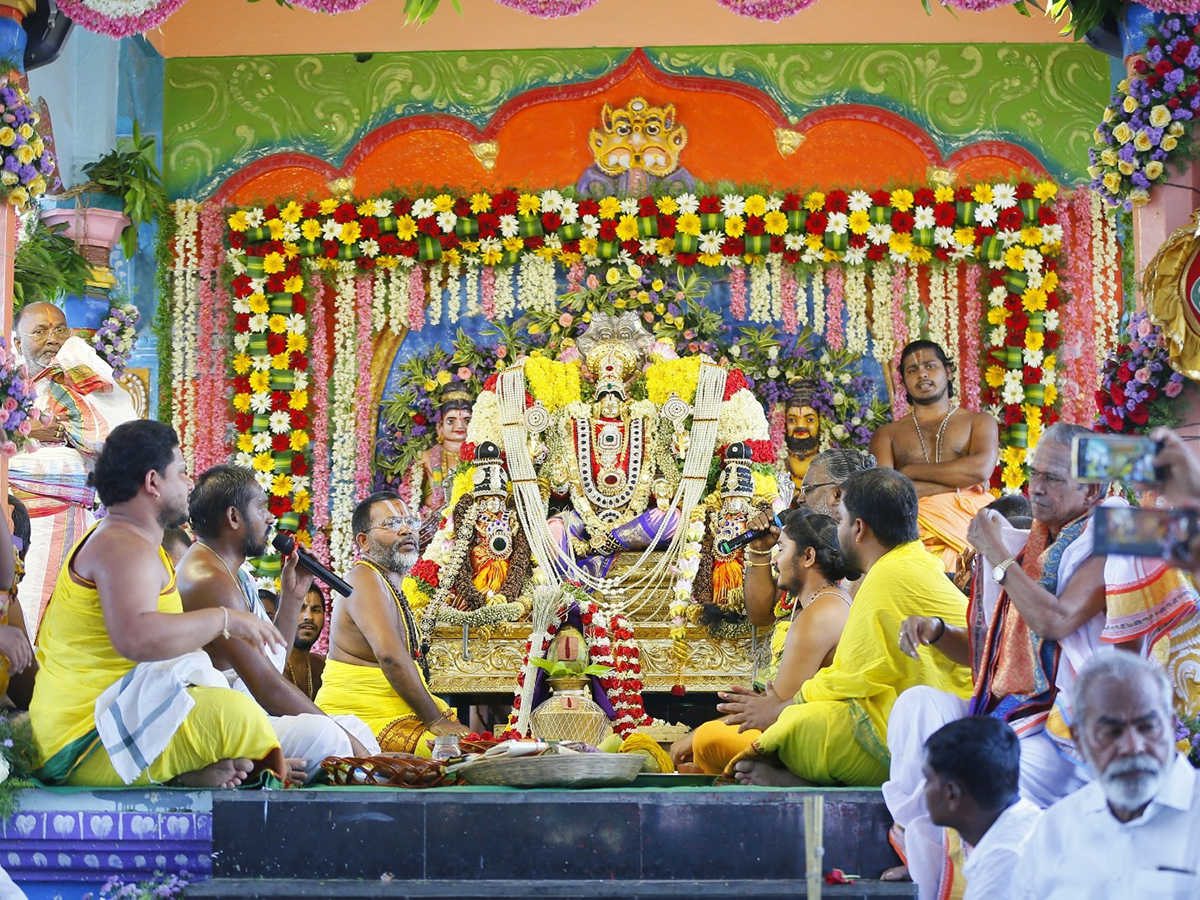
x: 59, y: 331
x: 399, y: 523
x: 805, y: 489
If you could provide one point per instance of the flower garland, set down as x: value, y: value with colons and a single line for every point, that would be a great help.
x: 364, y: 421
x: 17, y: 396
x: 210, y: 442
x: 900, y: 338
x: 321, y: 365
x: 549, y: 9
x: 117, y: 334
x: 856, y: 310
x: 766, y: 10
x: 972, y: 312
x: 343, y: 413
x: 1149, y: 116
x: 119, y: 18
x: 835, y: 331
x: 683, y: 608
x: 26, y: 164
x: 1137, y: 382
x: 185, y: 324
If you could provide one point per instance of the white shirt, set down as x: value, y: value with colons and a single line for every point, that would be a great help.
x: 989, y: 867
x: 1080, y: 849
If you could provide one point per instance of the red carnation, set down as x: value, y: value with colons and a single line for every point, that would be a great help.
x: 944, y: 214
x: 279, y: 443
x: 791, y: 202
x: 299, y: 464
x: 647, y: 207
x: 709, y: 204
x: 666, y: 226
x: 923, y: 197
x: 462, y: 207
x: 551, y: 221
x: 687, y: 260
x: 903, y: 221
x: 505, y: 202
x: 754, y: 225
x: 881, y: 198
x: 877, y: 252
x: 311, y: 210
x: 837, y: 201
x: 589, y: 207
x: 1024, y: 191
x: 816, y: 223
x: 734, y: 246
x: 279, y: 506
x: 608, y: 230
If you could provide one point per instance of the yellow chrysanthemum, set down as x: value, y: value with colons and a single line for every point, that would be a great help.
x: 277, y: 323
x: 860, y: 221
x: 920, y: 255
x: 735, y: 226
x: 756, y: 205
x: 1050, y: 282
x: 443, y: 203
x: 997, y: 316
x: 258, y: 303
x: 901, y: 242
x: 1051, y: 394
x: 1045, y: 190
x: 943, y: 194
x: 281, y: 361
x: 298, y: 400
x: 994, y: 376
x: 327, y: 206
x: 273, y: 263
x: 902, y: 199
x: 688, y: 223
x: 481, y: 202
x: 1034, y: 340
x: 775, y: 223
x: 965, y: 237
x: 513, y: 244
x: 1014, y: 257
x: 1031, y: 235
x: 406, y: 228
x: 814, y: 201
x: 310, y: 229
x: 588, y: 246
x: 260, y: 381
x: 814, y: 241
x: 301, y: 501
x: 982, y: 193
x: 667, y: 205
x: 664, y: 246
x: 627, y: 228
x: 528, y: 204
x: 667, y: 376
x: 366, y: 208
x: 712, y: 260
x: 237, y: 221
x: 262, y: 462
x: 281, y: 485
x: 554, y: 383
x: 241, y: 402
x: 609, y: 207
x: 1033, y: 300
x: 297, y: 343
x: 275, y: 227
x: 241, y: 363
x: 298, y: 440
x: 245, y: 442
x: 351, y: 232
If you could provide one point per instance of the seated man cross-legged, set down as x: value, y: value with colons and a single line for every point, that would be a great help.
x: 115, y: 631
x: 371, y: 671
x: 810, y: 570
x: 231, y: 521
x: 836, y: 731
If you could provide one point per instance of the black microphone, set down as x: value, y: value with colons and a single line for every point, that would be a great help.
x: 727, y: 547
x: 285, y: 544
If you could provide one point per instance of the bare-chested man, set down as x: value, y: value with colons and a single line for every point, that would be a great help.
x: 371, y: 671
x: 948, y: 452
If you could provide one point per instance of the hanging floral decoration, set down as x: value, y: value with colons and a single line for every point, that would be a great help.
x: 115, y: 337
x: 549, y: 9
x: 26, y: 163
x: 17, y: 413
x: 1148, y: 122
x: 766, y: 10
x: 1138, y: 385
x: 119, y: 18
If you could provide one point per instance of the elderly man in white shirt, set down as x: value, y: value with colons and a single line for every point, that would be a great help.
x: 972, y: 770
x: 1135, y: 830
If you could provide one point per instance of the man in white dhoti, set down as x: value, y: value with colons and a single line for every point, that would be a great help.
x: 1037, y: 615
x: 76, y: 387
x: 228, y: 510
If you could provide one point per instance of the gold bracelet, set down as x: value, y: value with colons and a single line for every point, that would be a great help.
x: 754, y: 565
x: 225, y: 626
x: 757, y: 552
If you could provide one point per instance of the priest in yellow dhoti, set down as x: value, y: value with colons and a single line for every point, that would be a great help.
x: 947, y: 451
x: 124, y: 694
x: 372, y: 671
x: 836, y: 731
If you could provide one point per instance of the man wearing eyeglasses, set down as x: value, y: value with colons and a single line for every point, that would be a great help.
x: 373, y: 669
x: 77, y: 391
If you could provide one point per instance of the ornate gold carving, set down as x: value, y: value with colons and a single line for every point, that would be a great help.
x: 486, y: 152
x: 788, y: 141
x: 137, y: 383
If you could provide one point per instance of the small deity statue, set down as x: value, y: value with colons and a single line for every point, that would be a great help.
x: 636, y: 149
x: 719, y: 580
x: 803, y: 437
x: 439, y: 461
x: 609, y: 466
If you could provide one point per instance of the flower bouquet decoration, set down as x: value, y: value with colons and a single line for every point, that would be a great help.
x: 1137, y: 382
x: 1147, y: 122
x: 25, y: 162
x: 17, y: 415
x: 1187, y: 739
x: 117, y: 334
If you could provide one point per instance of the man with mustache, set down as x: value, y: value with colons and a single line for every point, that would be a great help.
x: 948, y: 452
x: 803, y: 435
x: 371, y: 671
x: 229, y: 514
x: 1135, y: 830
x: 304, y: 668
x: 77, y: 393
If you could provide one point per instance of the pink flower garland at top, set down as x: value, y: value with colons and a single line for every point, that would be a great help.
x: 330, y: 7
x: 548, y: 9
x: 789, y: 289
x: 766, y: 10
x: 1078, y: 350
x: 318, y: 384
x: 737, y: 292
x: 900, y: 330
x: 416, y: 299
x: 778, y: 422
x: 119, y: 18
x: 977, y: 5
x: 487, y: 291
x: 208, y: 442
x: 365, y: 421
x: 835, y: 330
x: 972, y: 312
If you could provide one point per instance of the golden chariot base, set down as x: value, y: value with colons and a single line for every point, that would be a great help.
x: 486, y: 660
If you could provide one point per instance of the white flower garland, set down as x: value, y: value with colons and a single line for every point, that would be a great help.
x: 454, y: 273
x: 397, y: 291
x: 485, y: 424
x: 683, y: 594
x: 775, y: 267
x: 818, y: 300
x: 505, y: 296
x: 472, y: 288
x: 760, y: 297
x: 342, y: 416
x: 433, y: 292
x: 185, y: 301
x: 882, y: 331
x: 912, y: 304
x: 379, y: 300
x: 537, y: 290
x: 937, y: 303
x: 741, y: 419
x: 1104, y: 279
x: 856, y: 308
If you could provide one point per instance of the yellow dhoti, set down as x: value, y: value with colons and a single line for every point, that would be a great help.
x: 943, y: 520
x: 364, y: 691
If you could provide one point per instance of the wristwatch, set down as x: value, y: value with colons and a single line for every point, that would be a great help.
x: 999, y: 571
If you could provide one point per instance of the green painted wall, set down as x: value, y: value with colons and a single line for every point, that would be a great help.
x: 223, y: 113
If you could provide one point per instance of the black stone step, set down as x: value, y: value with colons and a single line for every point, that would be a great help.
x: 460, y: 835
x: 228, y: 889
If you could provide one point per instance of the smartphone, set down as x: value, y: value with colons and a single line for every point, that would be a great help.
x: 1129, y: 531
x: 1115, y: 457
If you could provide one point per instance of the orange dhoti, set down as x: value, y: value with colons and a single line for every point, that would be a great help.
x: 944, y: 519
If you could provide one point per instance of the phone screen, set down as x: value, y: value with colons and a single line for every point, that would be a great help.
x: 1115, y: 457
x: 1129, y: 531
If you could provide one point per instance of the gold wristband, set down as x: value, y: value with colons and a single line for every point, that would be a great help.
x: 755, y: 565
x: 758, y: 552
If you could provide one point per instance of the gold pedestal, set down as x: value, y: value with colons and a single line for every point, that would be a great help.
x: 494, y: 655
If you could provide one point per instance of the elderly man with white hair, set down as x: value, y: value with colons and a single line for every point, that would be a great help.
x: 1135, y: 830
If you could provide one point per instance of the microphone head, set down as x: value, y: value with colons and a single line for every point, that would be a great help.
x: 284, y: 543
